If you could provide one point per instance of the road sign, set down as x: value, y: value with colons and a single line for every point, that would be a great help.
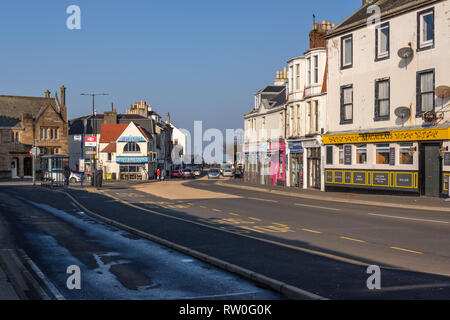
x: 35, y: 151
x: 90, y: 141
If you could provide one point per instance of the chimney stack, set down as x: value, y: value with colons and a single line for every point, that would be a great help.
x: 47, y: 93
x: 63, y: 96
x: 364, y: 2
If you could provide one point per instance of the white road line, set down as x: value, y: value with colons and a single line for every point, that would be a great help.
x: 47, y: 282
x: 406, y: 218
x: 266, y: 200
x: 318, y: 207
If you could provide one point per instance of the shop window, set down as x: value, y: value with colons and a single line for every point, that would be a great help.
x: 361, y: 154
x: 383, y: 154
x: 406, y: 153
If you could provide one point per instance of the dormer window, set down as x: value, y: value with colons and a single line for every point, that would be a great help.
x: 131, y: 147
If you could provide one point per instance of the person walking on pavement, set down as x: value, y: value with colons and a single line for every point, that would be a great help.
x: 158, y: 175
x: 66, y: 175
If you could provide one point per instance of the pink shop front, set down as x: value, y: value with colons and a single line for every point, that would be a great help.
x: 278, y: 163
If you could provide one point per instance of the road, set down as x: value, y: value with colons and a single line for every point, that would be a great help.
x: 327, y: 245
x: 323, y: 247
x: 54, y: 234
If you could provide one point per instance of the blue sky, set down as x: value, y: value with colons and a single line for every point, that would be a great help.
x: 198, y: 60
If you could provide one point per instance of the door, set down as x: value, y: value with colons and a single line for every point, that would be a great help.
x: 27, y: 167
x: 14, y: 168
x: 431, y: 167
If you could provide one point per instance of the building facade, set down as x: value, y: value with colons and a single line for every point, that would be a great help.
x: 31, y: 121
x: 306, y: 112
x: 264, y: 135
x: 124, y: 152
x: 388, y: 125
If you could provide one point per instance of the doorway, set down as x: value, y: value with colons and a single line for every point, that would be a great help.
x: 314, y: 168
x: 28, y: 167
x: 14, y: 168
x: 430, y: 169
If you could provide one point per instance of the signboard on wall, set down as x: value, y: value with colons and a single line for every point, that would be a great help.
x: 447, y: 159
x: 392, y: 156
x: 348, y: 155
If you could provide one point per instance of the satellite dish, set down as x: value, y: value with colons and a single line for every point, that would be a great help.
x: 405, y: 53
x: 402, y: 112
x: 443, y: 92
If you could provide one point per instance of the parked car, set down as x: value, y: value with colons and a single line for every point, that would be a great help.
x: 227, y: 173
x: 197, y: 171
x: 213, y: 174
x: 176, y: 173
x: 75, y: 177
x: 188, y: 174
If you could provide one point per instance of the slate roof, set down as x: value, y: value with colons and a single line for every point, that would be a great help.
x: 271, y: 101
x: 8, y: 122
x: 14, y: 107
x: 387, y: 7
x: 76, y: 126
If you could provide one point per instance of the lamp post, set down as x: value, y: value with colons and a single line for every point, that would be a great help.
x: 94, y: 129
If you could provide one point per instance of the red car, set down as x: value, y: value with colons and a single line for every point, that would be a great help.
x: 176, y: 174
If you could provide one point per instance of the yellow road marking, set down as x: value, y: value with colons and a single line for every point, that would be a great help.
x: 353, y: 239
x: 406, y: 250
x: 208, y: 225
x: 312, y: 231
x: 234, y: 214
x: 254, y: 219
x: 217, y: 210
x: 203, y: 207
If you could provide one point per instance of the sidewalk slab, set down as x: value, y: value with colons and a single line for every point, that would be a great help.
x: 6, y: 289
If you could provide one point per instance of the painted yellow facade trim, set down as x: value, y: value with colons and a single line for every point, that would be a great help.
x: 389, y: 136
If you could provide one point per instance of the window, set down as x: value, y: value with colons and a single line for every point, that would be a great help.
x: 131, y: 147
x: 45, y: 133
x: 291, y: 80
x: 329, y: 154
x: 51, y: 133
x: 309, y: 113
x: 406, y: 153
x: 425, y: 29
x: 425, y: 92
x: 341, y: 154
x: 316, y: 69
x: 347, y: 104
x: 109, y: 156
x: 383, y: 154
x: 382, y: 99
x: 291, y: 121
x: 308, y: 63
x: 298, y: 119
x: 297, y: 74
x: 316, y: 116
x: 361, y: 154
x: 56, y: 133
x: 347, y: 52
x: 382, y: 39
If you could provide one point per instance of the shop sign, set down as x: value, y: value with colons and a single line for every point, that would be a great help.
x: 131, y: 159
x: 389, y: 136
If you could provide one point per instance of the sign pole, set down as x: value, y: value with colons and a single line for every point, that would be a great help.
x: 34, y: 162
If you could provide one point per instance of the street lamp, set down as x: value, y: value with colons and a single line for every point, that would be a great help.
x: 94, y: 129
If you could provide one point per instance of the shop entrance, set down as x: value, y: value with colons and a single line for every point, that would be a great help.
x: 314, y: 168
x: 430, y: 169
x: 296, y: 170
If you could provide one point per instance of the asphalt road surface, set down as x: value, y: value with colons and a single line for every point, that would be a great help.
x: 114, y: 264
x: 322, y: 247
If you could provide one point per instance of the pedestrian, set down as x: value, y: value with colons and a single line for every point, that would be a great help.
x: 158, y: 175
x: 66, y: 175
